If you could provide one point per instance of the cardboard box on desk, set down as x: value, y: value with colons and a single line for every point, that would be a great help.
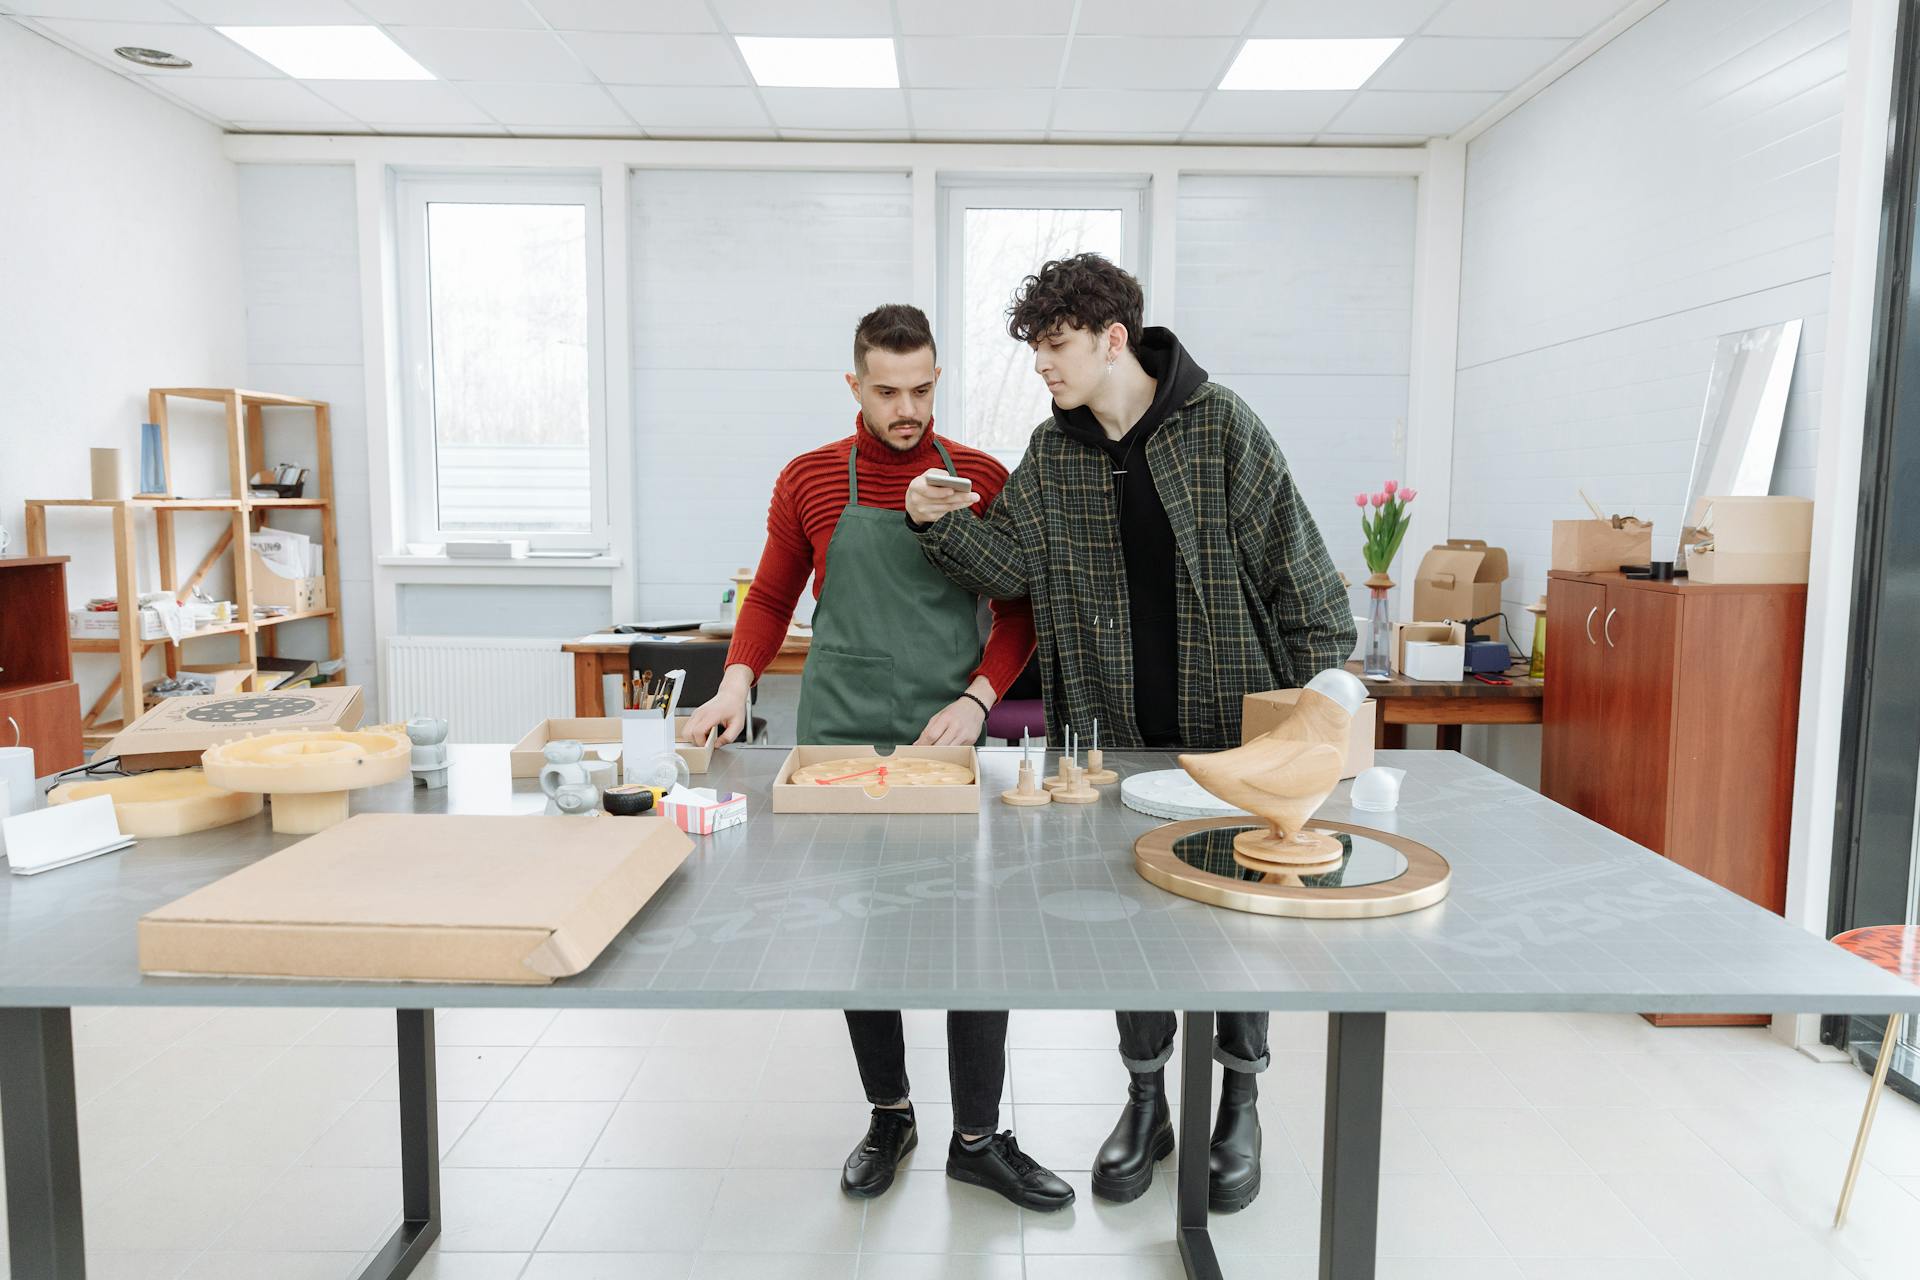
x: 1460, y: 578
x: 1261, y: 713
x: 174, y: 733
x: 529, y: 756
x: 1754, y: 540
x: 422, y: 898
x: 1452, y: 635
x: 791, y: 798
x: 1599, y: 546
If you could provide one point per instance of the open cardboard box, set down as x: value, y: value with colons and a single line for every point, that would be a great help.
x: 1442, y: 633
x: 789, y: 798
x: 529, y: 754
x: 1261, y: 713
x: 1754, y: 540
x: 175, y: 732
x: 422, y: 897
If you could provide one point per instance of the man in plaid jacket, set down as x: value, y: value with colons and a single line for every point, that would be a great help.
x: 1173, y: 568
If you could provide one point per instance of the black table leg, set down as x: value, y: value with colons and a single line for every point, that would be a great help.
x: 1196, y: 1109
x: 1350, y: 1174
x: 419, y: 1151
x: 40, y: 1141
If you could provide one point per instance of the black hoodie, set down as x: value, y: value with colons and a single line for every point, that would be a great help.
x: 1146, y: 535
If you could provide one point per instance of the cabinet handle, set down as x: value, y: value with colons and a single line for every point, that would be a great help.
x: 16, y: 730
x: 1590, y: 613
x: 1607, y: 627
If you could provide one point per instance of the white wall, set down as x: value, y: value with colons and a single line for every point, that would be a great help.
x: 1678, y: 185
x: 746, y: 290
x: 1297, y: 293
x: 117, y: 231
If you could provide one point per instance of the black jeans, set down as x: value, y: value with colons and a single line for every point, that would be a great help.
x: 1240, y: 1042
x: 976, y: 1063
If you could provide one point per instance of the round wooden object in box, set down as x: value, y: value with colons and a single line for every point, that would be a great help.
x: 308, y: 772
x: 166, y: 802
x: 1377, y: 874
x: 867, y: 771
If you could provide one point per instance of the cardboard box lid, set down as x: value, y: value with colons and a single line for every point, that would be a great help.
x: 195, y: 723
x: 524, y: 899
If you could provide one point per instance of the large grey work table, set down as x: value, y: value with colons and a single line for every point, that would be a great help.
x: 1007, y: 909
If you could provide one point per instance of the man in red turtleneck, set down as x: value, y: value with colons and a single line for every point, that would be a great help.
x: 896, y: 658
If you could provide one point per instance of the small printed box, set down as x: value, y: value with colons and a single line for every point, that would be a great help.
x: 104, y: 624
x: 701, y: 811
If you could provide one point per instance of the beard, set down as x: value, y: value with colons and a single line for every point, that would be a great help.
x: 887, y: 437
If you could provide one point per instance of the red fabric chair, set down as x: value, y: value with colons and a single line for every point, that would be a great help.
x: 1895, y: 948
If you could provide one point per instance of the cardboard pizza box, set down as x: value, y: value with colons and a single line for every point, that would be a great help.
x: 173, y: 734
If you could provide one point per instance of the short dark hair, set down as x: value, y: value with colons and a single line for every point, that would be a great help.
x: 1085, y: 291
x: 895, y: 327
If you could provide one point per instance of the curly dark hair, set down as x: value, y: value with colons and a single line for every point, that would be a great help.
x: 895, y: 327
x: 1085, y: 291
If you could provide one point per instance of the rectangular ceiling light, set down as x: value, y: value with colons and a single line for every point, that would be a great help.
x: 329, y: 53
x: 1307, y: 64
x: 812, y: 62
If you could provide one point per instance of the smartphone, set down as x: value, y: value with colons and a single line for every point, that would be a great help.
x: 959, y: 484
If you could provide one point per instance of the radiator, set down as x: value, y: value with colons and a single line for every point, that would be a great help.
x: 491, y: 690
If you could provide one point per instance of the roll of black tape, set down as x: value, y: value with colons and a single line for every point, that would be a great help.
x: 627, y: 801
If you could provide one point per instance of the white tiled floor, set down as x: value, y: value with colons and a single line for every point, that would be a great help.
x: 706, y: 1146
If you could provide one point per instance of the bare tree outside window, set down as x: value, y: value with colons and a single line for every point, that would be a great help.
x: 507, y: 297
x: 1002, y: 398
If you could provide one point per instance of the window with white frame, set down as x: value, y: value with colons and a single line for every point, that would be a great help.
x: 994, y: 235
x: 503, y: 353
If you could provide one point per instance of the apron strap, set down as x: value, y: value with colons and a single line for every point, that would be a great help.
x: 853, y: 469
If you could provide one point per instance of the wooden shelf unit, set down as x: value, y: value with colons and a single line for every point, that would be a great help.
x: 246, y: 448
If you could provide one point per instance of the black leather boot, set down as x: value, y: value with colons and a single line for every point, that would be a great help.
x: 1124, y: 1168
x: 1233, y: 1159
x: 890, y: 1135
x: 998, y: 1164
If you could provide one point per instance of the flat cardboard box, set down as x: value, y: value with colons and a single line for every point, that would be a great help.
x: 104, y: 624
x: 1434, y: 632
x: 1262, y: 712
x: 1601, y: 546
x: 1755, y: 540
x: 422, y: 898
x: 1459, y: 579
x: 528, y: 756
x: 173, y: 734
x: 788, y: 798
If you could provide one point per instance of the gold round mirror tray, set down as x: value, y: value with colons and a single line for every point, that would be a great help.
x: 1376, y: 873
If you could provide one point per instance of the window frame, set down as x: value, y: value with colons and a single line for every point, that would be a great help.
x: 959, y: 193
x: 420, y: 478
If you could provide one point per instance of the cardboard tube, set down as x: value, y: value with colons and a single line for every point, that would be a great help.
x: 109, y: 474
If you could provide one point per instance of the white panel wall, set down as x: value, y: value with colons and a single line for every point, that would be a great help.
x: 746, y: 289
x: 1297, y: 293
x: 300, y: 254
x: 1678, y: 185
x: 117, y: 270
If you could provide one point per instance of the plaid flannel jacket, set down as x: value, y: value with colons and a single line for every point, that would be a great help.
x: 1260, y: 604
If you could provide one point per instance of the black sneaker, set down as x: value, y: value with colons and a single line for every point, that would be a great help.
x: 869, y: 1170
x: 998, y: 1164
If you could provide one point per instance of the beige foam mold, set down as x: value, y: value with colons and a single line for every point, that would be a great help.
x: 308, y: 772
x: 166, y: 802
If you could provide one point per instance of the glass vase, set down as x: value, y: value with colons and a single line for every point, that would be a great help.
x: 1379, y: 633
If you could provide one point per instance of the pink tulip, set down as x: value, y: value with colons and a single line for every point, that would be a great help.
x: 1379, y: 499
x: 1407, y: 495
x: 1390, y: 486
x: 1359, y: 499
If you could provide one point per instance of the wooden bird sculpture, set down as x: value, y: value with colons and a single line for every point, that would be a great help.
x: 1282, y: 776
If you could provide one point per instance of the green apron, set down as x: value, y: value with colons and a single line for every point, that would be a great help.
x: 894, y: 641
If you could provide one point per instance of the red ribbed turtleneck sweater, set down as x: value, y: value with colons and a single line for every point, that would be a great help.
x: 807, y: 501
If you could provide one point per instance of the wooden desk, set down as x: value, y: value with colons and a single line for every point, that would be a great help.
x: 605, y: 654
x: 1449, y: 704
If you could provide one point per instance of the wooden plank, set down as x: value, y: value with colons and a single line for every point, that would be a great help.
x: 206, y: 564
x: 157, y: 413
x: 100, y: 704
x: 329, y: 529
x: 1456, y: 710
x: 236, y: 451
x: 163, y: 535
x: 36, y: 528
x: 256, y: 444
x: 128, y: 586
x: 243, y: 584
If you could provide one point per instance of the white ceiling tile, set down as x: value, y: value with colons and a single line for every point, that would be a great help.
x: 1372, y: 139
x: 1158, y: 18
x: 283, y: 101
x: 980, y: 111
x: 858, y: 109
x: 716, y: 134
x: 1567, y: 18
x: 812, y: 18
x: 1198, y: 139
x: 533, y: 105
x: 437, y: 128
x: 984, y: 17
x: 1122, y: 111
x: 1432, y: 114
x: 979, y: 135
x: 451, y: 13
x: 1075, y: 136
x: 964, y: 62
x: 624, y: 15
x: 416, y: 101
x: 212, y: 54
x: 98, y: 10
x: 1318, y: 19
x: 295, y: 126
x: 1119, y: 62
x: 1263, y: 111
x: 619, y: 58
x: 575, y: 131
x: 1432, y: 63
x: 527, y: 57
x: 847, y: 135
x: 274, y: 13
x: 691, y: 107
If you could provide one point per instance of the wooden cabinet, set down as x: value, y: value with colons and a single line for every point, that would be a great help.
x: 1670, y: 716
x: 39, y: 702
